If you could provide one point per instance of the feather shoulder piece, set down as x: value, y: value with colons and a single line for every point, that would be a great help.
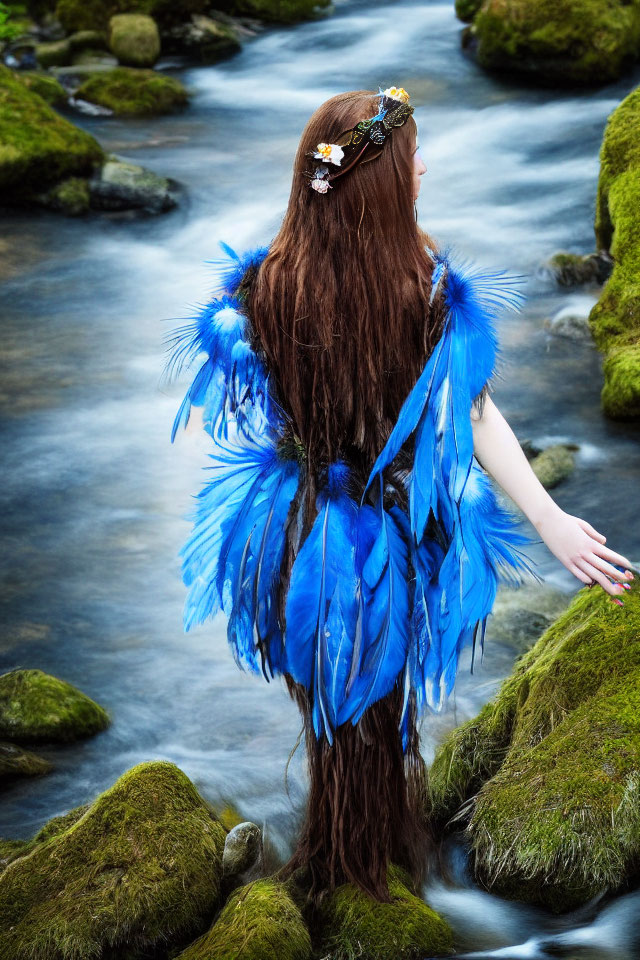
x: 231, y: 561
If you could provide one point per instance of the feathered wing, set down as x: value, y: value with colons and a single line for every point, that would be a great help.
x: 232, y: 559
x: 456, y: 576
x: 322, y: 604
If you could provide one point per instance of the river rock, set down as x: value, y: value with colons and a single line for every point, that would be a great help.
x: 570, y: 322
x: 545, y: 780
x: 573, y: 270
x: 134, y: 39
x: 70, y: 197
x: 243, y: 856
x: 12, y: 849
x: 125, y: 186
x: 202, y: 39
x: 258, y: 922
x: 36, y: 707
x: 56, y: 53
x: 615, y: 319
x: 38, y: 147
x: 353, y: 925
x: 45, y: 86
x: 556, y: 42
x: 553, y: 465
x: 15, y: 762
x: 133, y: 92
x: 139, y: 871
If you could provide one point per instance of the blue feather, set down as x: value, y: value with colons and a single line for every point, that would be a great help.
x: 322, y: 609
x: 383, y: 566
x: 232, y: 559
x: 232, y: 267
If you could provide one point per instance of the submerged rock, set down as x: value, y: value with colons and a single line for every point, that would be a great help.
x: 15, y: 762
x: 134, y: 39
x: 573, y: 270
x: 140, y: 869
x: 615, y: 319
x: 202, y: 39
x: 70, y: 197
x: 354, y: 925
x: 556, y: 42
x: 125, y: 186
x: 130, y: 91
x: 36, y: 707
x: 553, y: 465
x: 546, y: 779
x: 258, y: 922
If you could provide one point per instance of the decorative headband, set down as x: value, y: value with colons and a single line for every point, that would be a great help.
x: 359, y: 144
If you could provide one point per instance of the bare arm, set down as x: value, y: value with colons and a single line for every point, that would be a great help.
x: 573, y: 541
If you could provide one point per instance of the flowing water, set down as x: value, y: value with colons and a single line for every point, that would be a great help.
x: 94, y: 497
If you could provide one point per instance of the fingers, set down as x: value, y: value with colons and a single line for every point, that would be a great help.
x: 615, y: 589
x: 607, y: 568
x: 586, y: 526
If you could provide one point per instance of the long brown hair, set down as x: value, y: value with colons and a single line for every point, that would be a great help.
x: 341, y: 302
x: 341, y: 308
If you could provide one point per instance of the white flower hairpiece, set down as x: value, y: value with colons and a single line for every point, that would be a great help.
x: 329, y: 152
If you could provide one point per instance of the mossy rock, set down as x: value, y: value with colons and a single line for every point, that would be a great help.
x: 95, y: 14
x: 128, y: 91
x: 553, y: 465
x: 70, y: 197
x: 15, y: 762
x: 615, y: 319
x: 574, y: 270
x: 467, y: 9
x: 281, y: 11
x: 139, y: 870
x: 546, y: 779
x: 134, y: 39
x: 352, y: 925
x: 45, y: 86
x: 56, y: 53
x: 75, y: 15
x: 12, y: 849
x: 37, y: 146
x: 36, y: 707
x: 258, y: 922
x: 559, y: 42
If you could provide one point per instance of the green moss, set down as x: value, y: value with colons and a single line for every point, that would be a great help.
x: 547, y: 776
x: 467, y: 9
x: 560, y: 42
x: 355, y: 926
x: 37, y: 146
x: 12, y: 849
x: 70, y: 197
x: 128, y: 91
x: 45, y: 86
x: 84, y: 14
x: 615, y: 319
x: 140, y: 868
x: 134, y: 39
x: 258, y: 922
x: 34, y: 707
x: 56, y: 53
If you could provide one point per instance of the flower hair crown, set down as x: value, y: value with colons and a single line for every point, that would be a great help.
x: 363, y: 142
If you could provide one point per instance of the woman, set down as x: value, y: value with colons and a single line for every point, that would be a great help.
x: 347, y: 530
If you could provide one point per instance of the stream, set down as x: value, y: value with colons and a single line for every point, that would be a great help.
x: 94, y: 498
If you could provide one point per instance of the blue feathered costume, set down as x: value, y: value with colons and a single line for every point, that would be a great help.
x: 384, y: 591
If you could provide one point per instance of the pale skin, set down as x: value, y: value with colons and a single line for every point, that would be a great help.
x: 578, y: 545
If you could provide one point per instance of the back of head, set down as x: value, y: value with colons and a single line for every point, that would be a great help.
x: 341, y: 302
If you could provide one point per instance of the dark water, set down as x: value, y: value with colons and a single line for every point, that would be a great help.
x: 94, y: 497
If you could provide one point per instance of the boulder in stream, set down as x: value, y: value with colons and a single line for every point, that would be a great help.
x: 126, y: 186
x: 133, y: 92
x: 139, y: 870
x: 615, y: 319
x: 15, y: 762
x: 134, y: 39
x: 555, y: 42
x: 38, y: 147
x: 259, y: 921
x: 545, y: 780
x: 36, y: 707
x: 354, y: 925
x: 553, y: 465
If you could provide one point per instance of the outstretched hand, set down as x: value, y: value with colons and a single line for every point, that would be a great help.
x: 580, y: 547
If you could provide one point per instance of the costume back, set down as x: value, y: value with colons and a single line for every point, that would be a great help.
x: 391, y: 577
